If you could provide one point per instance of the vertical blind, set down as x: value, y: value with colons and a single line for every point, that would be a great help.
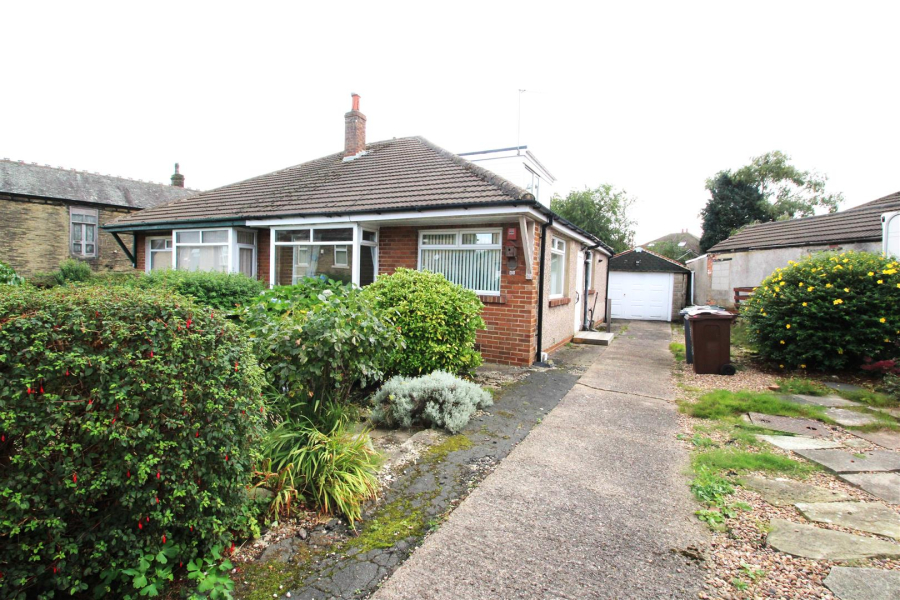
x: 474, y: 269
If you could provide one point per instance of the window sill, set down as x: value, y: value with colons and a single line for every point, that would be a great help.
x: 501, y: 299
x: 559, y: 302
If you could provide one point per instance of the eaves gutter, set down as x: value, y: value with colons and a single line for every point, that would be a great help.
x: 167, y: 225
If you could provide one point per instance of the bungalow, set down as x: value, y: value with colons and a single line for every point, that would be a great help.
x: 373, y: 208
x: 735, y: 266
x: 50, y: 214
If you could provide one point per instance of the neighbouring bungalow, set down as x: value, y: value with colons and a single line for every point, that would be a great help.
x: 50, y: 214
x: 734, y: 267
x: 373, y: 208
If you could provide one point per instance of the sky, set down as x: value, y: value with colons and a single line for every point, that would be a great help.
x: 651, y: 97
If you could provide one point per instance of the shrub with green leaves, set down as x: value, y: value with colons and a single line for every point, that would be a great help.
x: 315, y: 359
x: 128, y: 419
x: 8, y: 275
x: 438, y: 320
x: 301, y: 297
x: 829, y: 311
x: 71, y: 270
x: 437, y: 400
x: 223, y: 291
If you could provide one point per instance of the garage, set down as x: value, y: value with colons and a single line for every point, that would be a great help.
x: 646, y: 286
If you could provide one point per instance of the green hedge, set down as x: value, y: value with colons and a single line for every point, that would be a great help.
x: 127, y: 419
x: 438, y: 321
x: 219, y: 290
x: 829, y: 311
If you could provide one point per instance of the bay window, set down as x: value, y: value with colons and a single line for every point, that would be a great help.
x: 202, y: 250
x: 557, y: 267
x: 314, y: 252
x: 467, y: 257
x: 246, y: 252
x: 159, y: 253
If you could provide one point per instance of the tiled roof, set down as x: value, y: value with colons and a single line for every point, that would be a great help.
x: 859, y: 224
x: 26, y: 179
x: 642, y: 260
x: 399, y: 174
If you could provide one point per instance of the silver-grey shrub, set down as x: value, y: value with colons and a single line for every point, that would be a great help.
x: 437, y: 400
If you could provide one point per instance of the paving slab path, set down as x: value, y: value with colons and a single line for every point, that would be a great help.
x: 785, y: 492
x: 592, y: 504
x: 871, y: 517
x: 809, y: 541
x: 841, y: 461
x: 797, y: 425
x: 828, y: 401
x: 854, y: 583
x: 881, y: 485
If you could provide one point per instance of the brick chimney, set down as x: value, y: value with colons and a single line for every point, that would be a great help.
x: 177, y: 178
x: 354, y: 129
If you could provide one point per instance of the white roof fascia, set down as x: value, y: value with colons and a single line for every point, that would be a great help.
x: 687, y: 262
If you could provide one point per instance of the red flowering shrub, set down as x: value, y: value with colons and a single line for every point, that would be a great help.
x: 127, y: 418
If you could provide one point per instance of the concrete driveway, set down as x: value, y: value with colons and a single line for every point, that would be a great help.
x: 592, y: 504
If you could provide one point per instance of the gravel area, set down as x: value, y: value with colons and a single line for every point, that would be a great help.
x: 738, y: 562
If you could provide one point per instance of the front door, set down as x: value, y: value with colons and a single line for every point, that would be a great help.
x: 579, y: 292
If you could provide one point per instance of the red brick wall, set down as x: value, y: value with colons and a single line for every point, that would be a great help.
x: 397, y: 247
x: 141, y: 254
x: 511, y: 320
x: 263, y: 237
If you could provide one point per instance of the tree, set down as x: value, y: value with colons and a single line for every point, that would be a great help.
x: 789, y: 191
x: 602, y: 211
x: 671, y: 249
x: 779, y: 191
x: 732, y: 205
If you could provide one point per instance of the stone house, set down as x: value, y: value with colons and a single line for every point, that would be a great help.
x: 375, y: 207
x: 738, y: 264
x: 51, y: 214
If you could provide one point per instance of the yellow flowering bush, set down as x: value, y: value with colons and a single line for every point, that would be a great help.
x: 852, y: 313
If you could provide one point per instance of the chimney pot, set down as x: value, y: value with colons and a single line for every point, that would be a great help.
x: 354, y: 129
x: 177, y: 177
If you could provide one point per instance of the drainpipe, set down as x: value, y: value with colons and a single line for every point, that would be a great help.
x: 588, y: 264
x: 540, y: 306
x: 606, y: 301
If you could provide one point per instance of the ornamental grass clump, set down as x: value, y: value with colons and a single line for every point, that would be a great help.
x: 829, y: 311
x: 128, y: 421
x: 435, y: 400
x: 438, y: 320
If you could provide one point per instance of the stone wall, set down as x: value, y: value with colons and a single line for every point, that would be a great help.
x: 36, y: 235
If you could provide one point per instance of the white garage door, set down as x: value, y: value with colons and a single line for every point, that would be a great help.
x: 642, y: 296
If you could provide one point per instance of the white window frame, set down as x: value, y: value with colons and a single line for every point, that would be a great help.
x: 229, y: 243
x: 355, y: 244
x: 345, y: 248
x: 148, y: 263
x: 87, y: 212
x: 357, y: 264
x: 458, y: 245
x: 558, y: 248
x: 236, y: 250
